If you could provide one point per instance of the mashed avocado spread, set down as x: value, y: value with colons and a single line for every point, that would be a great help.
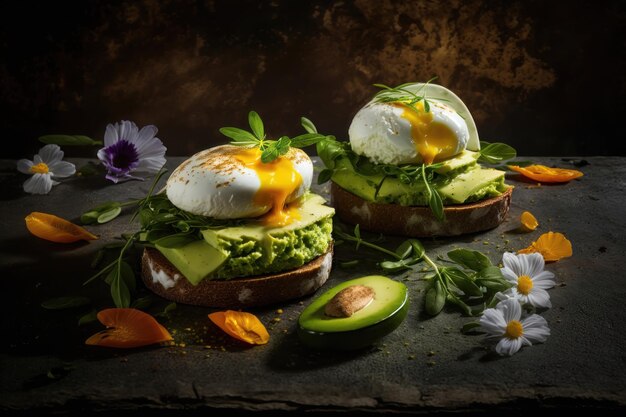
x: 251, y: 248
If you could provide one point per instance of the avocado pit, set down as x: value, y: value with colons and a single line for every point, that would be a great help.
x: 349, y: 300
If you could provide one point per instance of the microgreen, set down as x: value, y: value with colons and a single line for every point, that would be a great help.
x: 468, y: 280
x: 401, y: 94
x: 271, y: 149
x: 161, y: 222
x: 330, y: 150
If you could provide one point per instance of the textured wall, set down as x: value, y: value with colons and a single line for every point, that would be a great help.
x: 546, y: 77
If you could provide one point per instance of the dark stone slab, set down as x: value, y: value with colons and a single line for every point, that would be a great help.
x: 427, y: 365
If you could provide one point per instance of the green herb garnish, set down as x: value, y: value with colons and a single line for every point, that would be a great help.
x: 271, y: 149
x: 401, y: 94
x: 470, y: 283
x: 69, y: 140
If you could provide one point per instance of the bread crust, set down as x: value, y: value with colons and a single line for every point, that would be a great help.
x: 419, y: 221
x: 163, y: 278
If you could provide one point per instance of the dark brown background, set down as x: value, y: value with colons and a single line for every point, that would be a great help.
x: 545, y: 77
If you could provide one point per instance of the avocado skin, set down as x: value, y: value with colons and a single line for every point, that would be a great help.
x: 354, y: 339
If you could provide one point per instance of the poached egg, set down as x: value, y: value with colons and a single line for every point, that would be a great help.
x: 396, y: 133
x: 231, y: 182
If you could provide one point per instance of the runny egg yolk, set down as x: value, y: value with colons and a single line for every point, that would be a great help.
x: 279, y: 179
x: 432, y: 139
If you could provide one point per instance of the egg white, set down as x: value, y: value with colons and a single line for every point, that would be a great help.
x: 214, y: 183
x: 379, y: 132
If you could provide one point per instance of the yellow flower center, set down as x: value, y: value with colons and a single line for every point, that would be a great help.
x: 514, y: 330
x: 524, y: 284
x: 40, y: 168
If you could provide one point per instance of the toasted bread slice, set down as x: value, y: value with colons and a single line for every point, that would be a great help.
x: 418, y: 221
x: 165, y: 279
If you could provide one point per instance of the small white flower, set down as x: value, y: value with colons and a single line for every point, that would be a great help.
x: 45, y: 166
x: 530, y: 281
x: 128, y: 150
x: 505, y: 322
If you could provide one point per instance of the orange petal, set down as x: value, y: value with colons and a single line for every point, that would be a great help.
x: 128, y: 328
x: 55, y: 229
x: 543, y: 173
x: 240, y: 325
x: 552, y: 246
x: 529, y: 222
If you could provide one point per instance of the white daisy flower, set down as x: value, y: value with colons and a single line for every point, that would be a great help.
x: 45, y: 166
x: 530, y: 281
x: 130, y: 150
x: 505, y: 322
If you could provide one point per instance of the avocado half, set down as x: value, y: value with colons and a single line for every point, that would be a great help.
x: 379, y: 318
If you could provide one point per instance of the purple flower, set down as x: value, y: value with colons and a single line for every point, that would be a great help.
x: 130, y: 150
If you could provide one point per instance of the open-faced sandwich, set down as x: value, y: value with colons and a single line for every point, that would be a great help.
x: 412, y: 168
x: 238, y: 226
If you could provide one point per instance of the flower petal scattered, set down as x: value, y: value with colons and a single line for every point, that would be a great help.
x: 47, y: 165
x: 543, y: 173
x: 553, y: 246
x: 530, y: 280
x: 505, y: 322
x: 128, y: 328
x: 528, y: 221
x: 240, y: 325
x: 128, y: 151
x: 56, y: 229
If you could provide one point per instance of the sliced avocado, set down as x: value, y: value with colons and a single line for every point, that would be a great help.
x: 461, y: 160
x: 363, y: 186
x: 380, y: 317
x: 471, y: 182
x: 195, y: 260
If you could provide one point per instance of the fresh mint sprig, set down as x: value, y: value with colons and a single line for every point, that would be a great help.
x: 271, y: 149
x: 470, y: 283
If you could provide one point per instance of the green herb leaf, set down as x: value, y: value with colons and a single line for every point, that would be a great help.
x: 436, y: 204
x: 435, y: 298
x: 64, y: 303
x: 167, y: 310
x: 240, y: 136
x: 462, y: 281
x: 324, y: 176
x: 469, y: 327
x: 460, y: 303
x: 469, y: 258
x: 88, y: 318
x: 308, y: 125
x: 426, y: 105
x: 329, y: 150
x: 119, y: 290
x: 176, y: 241
x: 307, y: 139
x: 69, y: 140
x: 256, y: 124
x: 142, y: 303
x: 418, y: 248
x: 405, y: 249
x: 495, y: 153
x: 88, y: 169
x: 349, y: 264
x: 102, y: 214
x: 109, y: 215
x: 490, y: 273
